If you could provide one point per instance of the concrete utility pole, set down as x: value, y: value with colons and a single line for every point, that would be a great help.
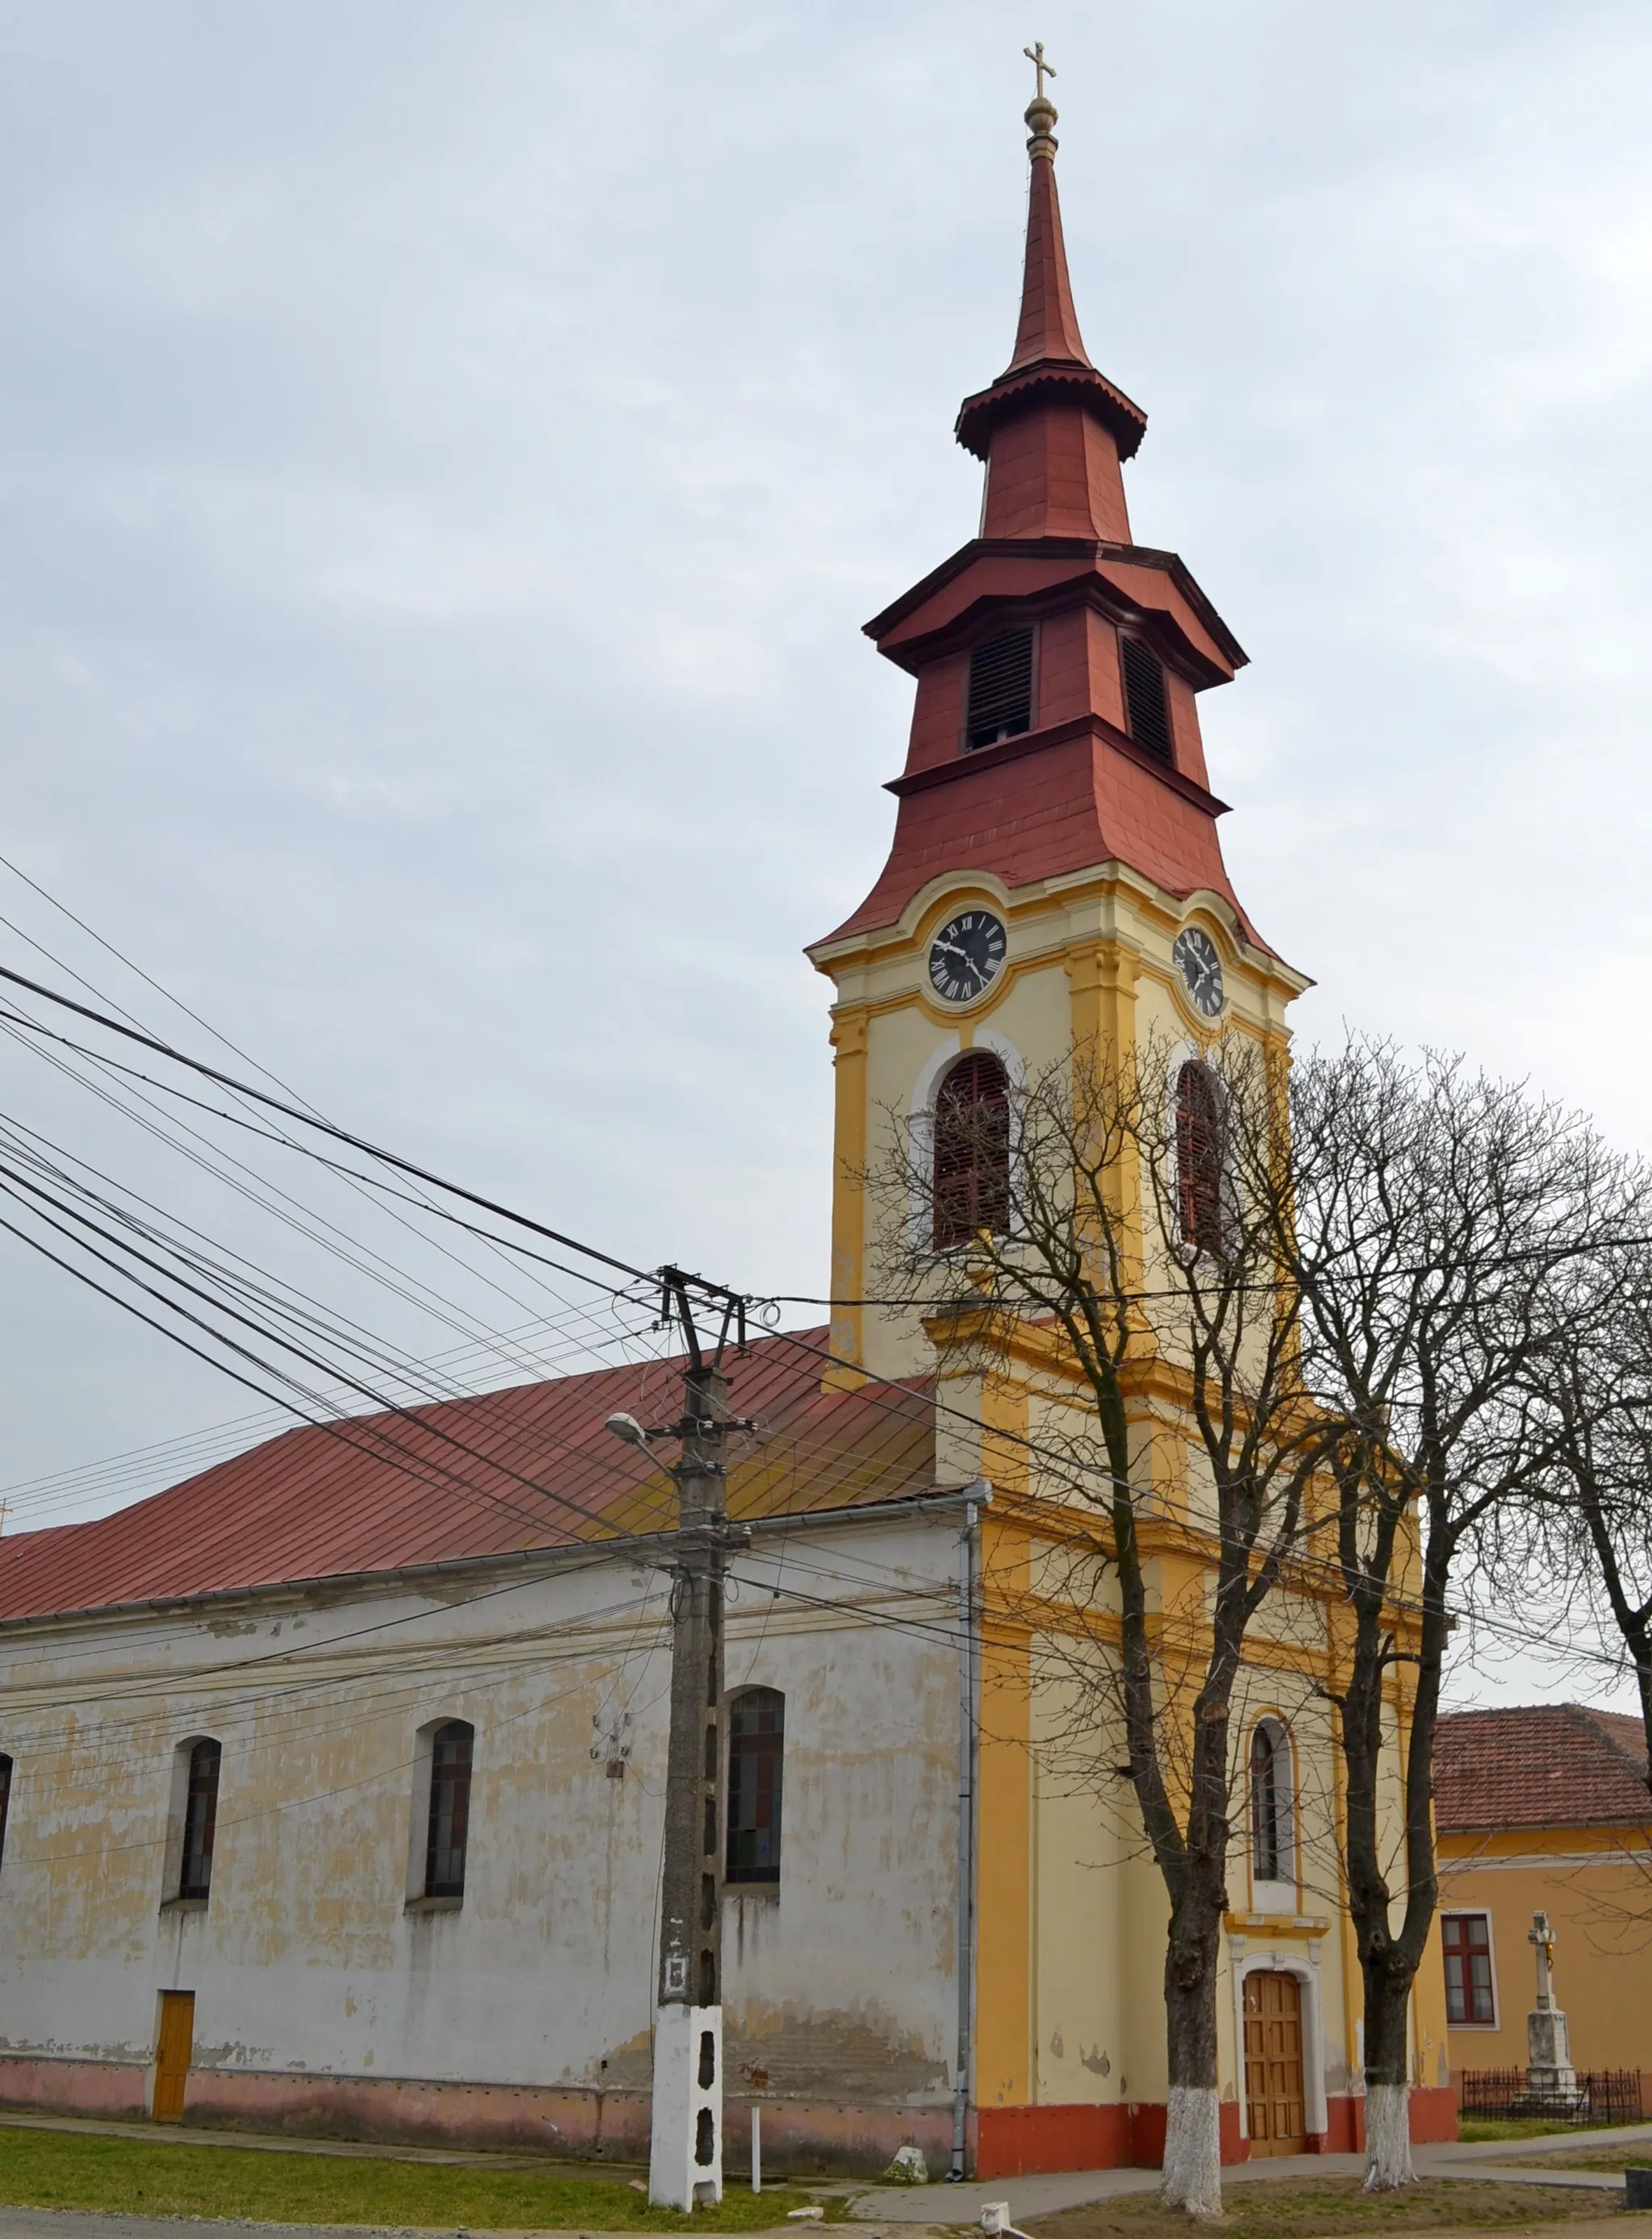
x: 685, y: 2158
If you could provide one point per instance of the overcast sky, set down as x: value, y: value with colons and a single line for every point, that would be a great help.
x: 448, y: 453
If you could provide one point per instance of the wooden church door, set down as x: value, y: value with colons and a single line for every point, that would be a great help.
x: 1275, y: 2103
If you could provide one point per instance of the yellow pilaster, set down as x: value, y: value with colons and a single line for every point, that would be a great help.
x: 1003, y: 1947
x: 848, y: 1194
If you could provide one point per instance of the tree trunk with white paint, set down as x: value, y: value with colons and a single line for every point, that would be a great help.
x: 1388, y: 2094
x: 1388, y: 2137
x: 1192, y: 2178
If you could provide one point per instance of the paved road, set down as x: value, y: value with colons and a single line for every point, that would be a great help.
x: 1042, y: 2195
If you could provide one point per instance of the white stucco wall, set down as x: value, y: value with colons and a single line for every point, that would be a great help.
x: 307, y: 1960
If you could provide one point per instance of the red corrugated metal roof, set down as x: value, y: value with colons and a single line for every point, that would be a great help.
x: 1554, y: 1764
x: 530, y: 1467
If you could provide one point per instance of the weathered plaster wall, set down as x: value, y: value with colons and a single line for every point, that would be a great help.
x: 308, y: 1963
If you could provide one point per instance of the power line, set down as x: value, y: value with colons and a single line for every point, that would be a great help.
x: 308, y: 1120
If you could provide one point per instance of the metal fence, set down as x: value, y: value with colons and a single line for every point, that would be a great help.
x: 1602, y: 2095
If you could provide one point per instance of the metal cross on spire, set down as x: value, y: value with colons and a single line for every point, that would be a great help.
x: 1034, y: 54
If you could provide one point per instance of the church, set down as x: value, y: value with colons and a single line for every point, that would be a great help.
x: 331, y: 1779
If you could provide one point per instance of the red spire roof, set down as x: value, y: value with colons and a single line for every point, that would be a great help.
x: 1048, y: 325
x: 1077, y: 784
x: 1051, y: 367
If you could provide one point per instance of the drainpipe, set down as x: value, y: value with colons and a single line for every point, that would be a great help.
x: 969, y: 1756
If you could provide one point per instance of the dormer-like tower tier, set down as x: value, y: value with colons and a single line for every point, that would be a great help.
x: 1057, y: 662
x: 1056, y: 880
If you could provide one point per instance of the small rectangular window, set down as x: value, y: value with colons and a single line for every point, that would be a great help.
x: 200, y: 1820
x: 1465, y: 1938
x: 756, y: 1763
x: 449, y: 1830
x: 1000, y: 688
x: 1146, y: 706
x: 5, y: 1802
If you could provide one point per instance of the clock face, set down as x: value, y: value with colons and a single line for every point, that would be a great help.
x: 966, y: 955
x: 1195, y: 959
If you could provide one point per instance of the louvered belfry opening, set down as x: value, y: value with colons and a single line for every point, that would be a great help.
x: 1001, y: 672
x: 1146, y: 705
x: 1198, y: 1157
x: 971, y: 1151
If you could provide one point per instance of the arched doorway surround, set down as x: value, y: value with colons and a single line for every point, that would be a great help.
x: 1306, y: 1972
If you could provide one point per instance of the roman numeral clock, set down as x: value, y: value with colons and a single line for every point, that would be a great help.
x: 967, y: 955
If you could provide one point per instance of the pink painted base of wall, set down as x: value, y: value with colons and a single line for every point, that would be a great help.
x: 112, y: 2089
x: 1434, y: 2120
x: 1030, y: 2141
x: 590, y: 2125
x: 1433, y: 2115
x: 587, y: 2125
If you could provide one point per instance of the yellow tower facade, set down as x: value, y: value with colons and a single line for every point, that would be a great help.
x: 1054, y: 886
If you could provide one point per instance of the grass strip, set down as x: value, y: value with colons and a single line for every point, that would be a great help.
x: 1487, y: 2129
x: 58, y: 2168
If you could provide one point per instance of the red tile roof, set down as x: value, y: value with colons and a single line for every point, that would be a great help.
x: 1556, y: 1765
x: 528, y: 1468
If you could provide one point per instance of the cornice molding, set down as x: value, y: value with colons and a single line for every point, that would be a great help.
x: 1040, y: 741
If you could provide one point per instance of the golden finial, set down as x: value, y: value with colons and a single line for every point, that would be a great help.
x: 1041, y: 112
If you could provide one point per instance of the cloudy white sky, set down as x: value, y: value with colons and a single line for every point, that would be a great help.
x: 447, y: 454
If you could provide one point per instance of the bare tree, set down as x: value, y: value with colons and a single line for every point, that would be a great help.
x: 1598, y: 1521
x: 1436, y: 1218
x: 1128, y: 1219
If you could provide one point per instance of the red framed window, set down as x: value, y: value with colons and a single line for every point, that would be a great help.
x: 1471, y: 1999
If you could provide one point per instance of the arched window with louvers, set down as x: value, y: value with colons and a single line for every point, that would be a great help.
x: 1200, y: 1146
x: 971, y: 1150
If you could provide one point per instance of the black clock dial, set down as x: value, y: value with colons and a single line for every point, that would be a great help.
x: 966, y: 954
x: 1195, y: 959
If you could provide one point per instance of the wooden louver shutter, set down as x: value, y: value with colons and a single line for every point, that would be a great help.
x: 971, y: 1151
x: 1000, y: 688
x: 1145, y: 704
x: 1198, y: 1157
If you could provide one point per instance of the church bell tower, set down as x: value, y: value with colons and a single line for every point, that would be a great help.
x: 1055, y: 876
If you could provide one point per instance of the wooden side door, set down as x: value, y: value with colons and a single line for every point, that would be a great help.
x: 174, y: 2050
x: 1274, y: 2105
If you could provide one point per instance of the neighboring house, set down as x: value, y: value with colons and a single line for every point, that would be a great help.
x: 1545, y: 1809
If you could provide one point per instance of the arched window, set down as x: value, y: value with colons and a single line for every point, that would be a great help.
x: 5, y: 1802
x: 200, y: 1820
x: 971, y: 1150
x: 1273, y: 1843
x: 449, y: 1826
x: 756, y: 1767
x: 1198, y: 1157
